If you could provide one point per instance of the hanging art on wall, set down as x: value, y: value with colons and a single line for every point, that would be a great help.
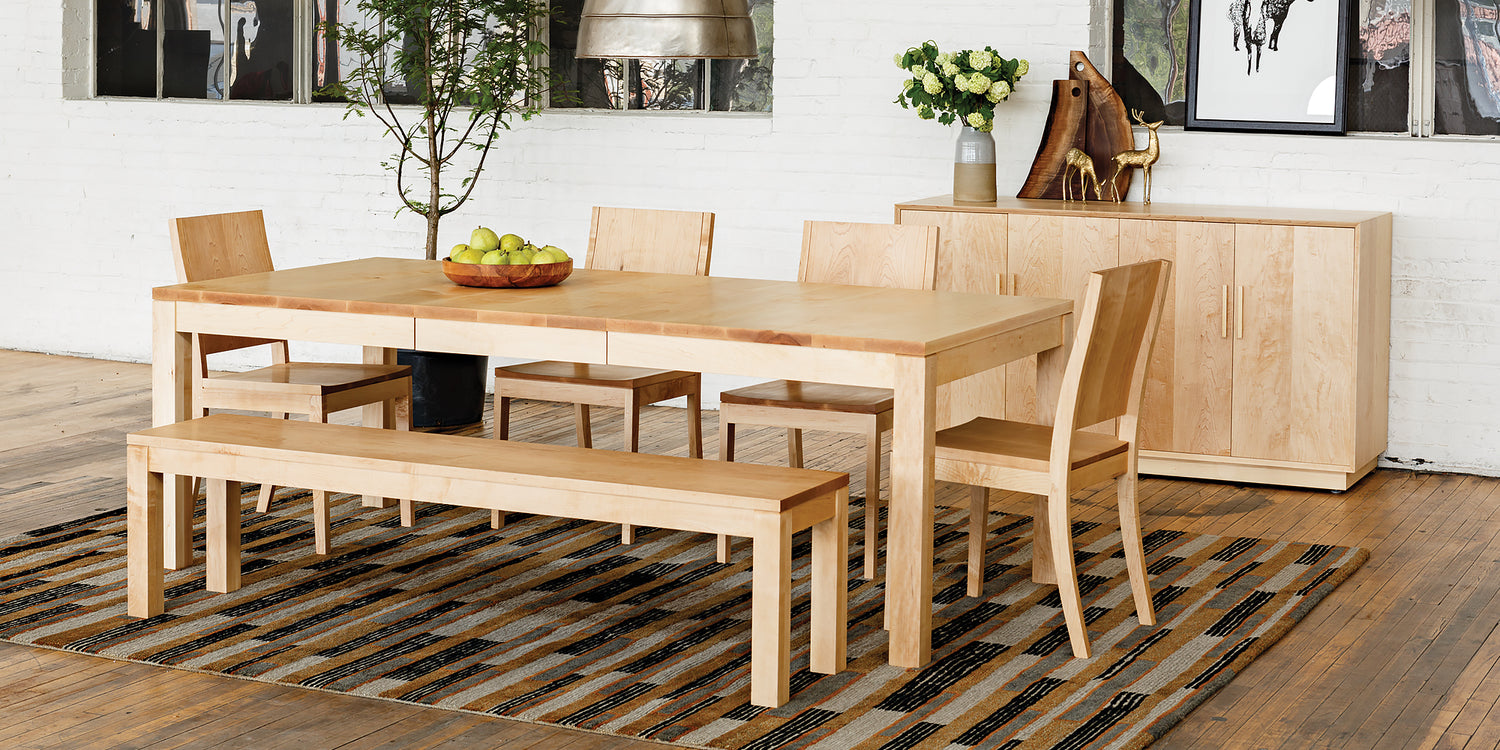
x: 1267, y: 65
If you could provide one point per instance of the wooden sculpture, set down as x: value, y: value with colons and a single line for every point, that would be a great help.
x: 1081, y: 164
x: 1087, y: 115
x: 1142, y: 158
x: 1065, y: 130
x: 1109, y: 131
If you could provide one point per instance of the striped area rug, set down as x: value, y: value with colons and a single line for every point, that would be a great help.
x: 553, y: 621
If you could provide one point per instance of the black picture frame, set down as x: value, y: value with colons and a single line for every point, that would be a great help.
x: 1245, y: 75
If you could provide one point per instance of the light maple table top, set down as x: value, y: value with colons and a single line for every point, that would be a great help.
x: 872, y: 319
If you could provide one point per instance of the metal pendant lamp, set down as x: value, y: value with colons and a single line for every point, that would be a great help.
x: 666, y: 29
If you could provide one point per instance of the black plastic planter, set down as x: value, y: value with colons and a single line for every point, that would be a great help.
x: 447, y: 390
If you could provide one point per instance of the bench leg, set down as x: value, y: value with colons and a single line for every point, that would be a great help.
x: 497, y: 519
x: 145, y: 535
x: 771, y: 611
x: 223, y: 536
x: 830, y: 589
x: 409, y: 513
x: 723, y: 549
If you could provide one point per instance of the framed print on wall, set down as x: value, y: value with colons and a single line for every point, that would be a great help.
x: 1267, y: 65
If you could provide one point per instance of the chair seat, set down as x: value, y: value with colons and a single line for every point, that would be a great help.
x: 1020, y: 445
x: 797, y: 394
x: 579, y: 373
x: 307, y: 378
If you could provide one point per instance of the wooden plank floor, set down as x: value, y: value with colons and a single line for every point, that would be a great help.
x: 1406, y: 654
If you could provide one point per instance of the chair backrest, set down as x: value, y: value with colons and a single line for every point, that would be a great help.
x: 1106, y: 368
x: 219, y: 245
x: 649, y: 240
x: 897, y: 256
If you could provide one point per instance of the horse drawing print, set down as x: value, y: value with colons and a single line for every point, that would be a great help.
x: 1258, y: 24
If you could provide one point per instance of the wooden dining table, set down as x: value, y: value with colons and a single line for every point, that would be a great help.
x: 910, y: 341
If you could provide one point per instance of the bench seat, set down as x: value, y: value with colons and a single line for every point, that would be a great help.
x: 766, y: 503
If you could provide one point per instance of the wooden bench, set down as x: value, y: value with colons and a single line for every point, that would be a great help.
x: 766, y: 503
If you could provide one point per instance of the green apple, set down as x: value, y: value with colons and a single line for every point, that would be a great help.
x: 453, y: 254
x: 557, y: 252
x: 471, y: 255
x: 495, y: 258
x: 483, y: 239
x: 510, y: 242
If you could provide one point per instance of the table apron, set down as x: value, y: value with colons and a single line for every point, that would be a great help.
x: 747, y: 358
x: 388, y: 331
x: 522, y: 342
x: 994, y: 351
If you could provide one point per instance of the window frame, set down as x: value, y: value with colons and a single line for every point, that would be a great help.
x: 303, y: 26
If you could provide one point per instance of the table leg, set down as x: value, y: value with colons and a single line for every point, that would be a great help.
x: 381, y: 415
x: 1050, y: 366
x: 908, y: 546
x: 171, y: 402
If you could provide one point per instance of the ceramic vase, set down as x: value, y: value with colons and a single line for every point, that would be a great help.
x: 974, y: 167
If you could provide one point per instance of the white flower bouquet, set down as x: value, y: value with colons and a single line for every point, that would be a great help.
x: 964, y: 85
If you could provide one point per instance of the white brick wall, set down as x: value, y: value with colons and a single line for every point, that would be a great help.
x: 87, y: 187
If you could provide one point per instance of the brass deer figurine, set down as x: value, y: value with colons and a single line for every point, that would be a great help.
x: 1142, y: 158
x: 1081, y: 164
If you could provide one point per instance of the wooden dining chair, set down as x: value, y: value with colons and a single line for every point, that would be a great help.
x: 1103, y: 380
x: 232, y: 244
x: 886, y: 255
x: 620, y: 239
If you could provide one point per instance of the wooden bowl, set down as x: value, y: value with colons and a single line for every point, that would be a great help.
x: 528, y: 275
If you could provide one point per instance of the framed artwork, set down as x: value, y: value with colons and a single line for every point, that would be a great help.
x: 1267, y: 65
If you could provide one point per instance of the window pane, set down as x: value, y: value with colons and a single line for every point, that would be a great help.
x: 125, y: 45
x: 1379, y: 67
x: 666, y: 84
x: 261, y: 49
x: 1468, y: 68
x: 745, y: 85
x: 598, y: 84
x: 192, y: 49
x: 1150, y: 57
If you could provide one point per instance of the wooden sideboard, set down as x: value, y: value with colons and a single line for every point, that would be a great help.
x: 1272, y: 361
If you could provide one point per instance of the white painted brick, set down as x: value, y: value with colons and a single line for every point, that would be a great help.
x: 101, y: 179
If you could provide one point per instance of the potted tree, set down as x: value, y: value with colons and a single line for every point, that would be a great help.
x: 444, y: 78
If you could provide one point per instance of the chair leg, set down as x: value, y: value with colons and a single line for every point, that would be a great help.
x: 1060, y: 533
x: 726, y: 441
x: 979, y: 529
x: 263, y: 504
x: 321, y: 517
x: 794, y: 448
x: 502, y: 420
x: 581, y: 426
x: 632, y: 444
x: 402, y: 407
x: 872, y: 503
x: 321, y: 524
x: 695, y: 424
x: 726, y: 453
x: 1135, y: 553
